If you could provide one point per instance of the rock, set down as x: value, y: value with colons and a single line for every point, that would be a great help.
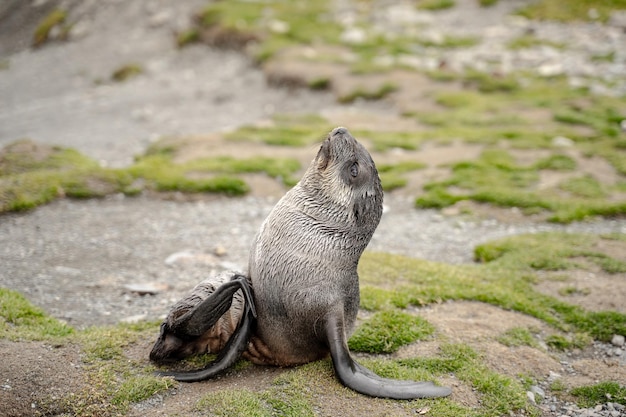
x: 160, y: 18
x: 188, y: 257
x: 618, y: 19
x: 538, y: 391
x: 279, y: 26
x: 134, y: 319
x: 353, y: 36
x: 66, y: 270
x: 146, y: 288
x: 617, y: 340
x: 531, y: 397
x: 220, y: 251
x: 562, y: 142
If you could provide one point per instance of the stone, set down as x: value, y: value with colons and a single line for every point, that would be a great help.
x: 538, y: 391
x: 279, y: 26
x: 149, y: 288
x: 353, y: 36
x: 134, y: 319
x: 617, y: 340
x: 562, y: 142
x: 618, y: 19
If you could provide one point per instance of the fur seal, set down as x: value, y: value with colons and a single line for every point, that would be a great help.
x: 300, y: 298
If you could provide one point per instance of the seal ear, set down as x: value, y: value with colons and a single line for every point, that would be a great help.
x: 357, y: 377
x: 323, y: 155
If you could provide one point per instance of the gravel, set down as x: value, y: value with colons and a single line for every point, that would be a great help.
x: 127, y: 259
x: 80, y: 260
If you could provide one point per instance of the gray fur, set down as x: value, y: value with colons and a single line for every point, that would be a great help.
x: 303, y: 279
x: 303, y: 261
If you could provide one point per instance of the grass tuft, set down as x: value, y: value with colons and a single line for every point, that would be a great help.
x: 126, y: 72
x: 42, y: 32
x: 592, y: 395
x: 387, y: 331
x: 20, y: 320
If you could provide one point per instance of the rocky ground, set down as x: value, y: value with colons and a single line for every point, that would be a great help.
x: 126, y: 259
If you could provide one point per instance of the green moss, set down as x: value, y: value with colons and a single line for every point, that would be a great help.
x: 561, y: 342
x: 518, y: 336
x: 365, y: 93
x: 545, y: 251
x: 531, y: 41
x: 491, y: 83
x: 114, y: 381
x: 139, y: 388
x: 304, y: 22
x: 592, y: 395
x: 53, y: 19
x: 487, y: 3
x: 506, y: 281
x: 500, y: 395
x: 286, y: 130
x: 435, y: 4
x: 21, y: 320
x: 557, y: 162
x: 387, y: 331
x: 241, y: 402
x: 321, y: 83
x: 495, y: 178
x: 31, y: 174
x: 126, y: 72
x: 187, y: 37
x: 286, y: 398
x: 585, y: 186
x: 569, y: 10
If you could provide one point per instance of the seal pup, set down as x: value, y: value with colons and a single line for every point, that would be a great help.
x: 300, y: 298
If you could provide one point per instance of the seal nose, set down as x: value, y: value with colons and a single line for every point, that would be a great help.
x: 339, y: 131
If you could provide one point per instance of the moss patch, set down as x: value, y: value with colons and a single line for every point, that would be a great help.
x: 20, y: 320
x: 32, y: 174
x: 390, y: 282
x: 589, y: 396
x: 505, y: 281
x: 387, y: 331
x: 54, y: 19
x: 569, y: 10
x: 126, y: 72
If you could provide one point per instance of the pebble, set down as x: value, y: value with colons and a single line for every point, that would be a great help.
x: 571, y: 50
x: 146, y: 288
x: 617, y: 340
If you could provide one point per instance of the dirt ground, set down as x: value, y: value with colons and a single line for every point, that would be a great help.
x: 76, y: 259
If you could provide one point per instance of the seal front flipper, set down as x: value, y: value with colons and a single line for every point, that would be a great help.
x: 201, y: 318
x: 355, y: 376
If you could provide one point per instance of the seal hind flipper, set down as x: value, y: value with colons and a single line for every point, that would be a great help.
x: 355, y: 376
x: 236, y: 345
x: 202, y: 317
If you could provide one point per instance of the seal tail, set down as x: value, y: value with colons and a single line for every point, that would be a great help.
x: 208, y: 312
x: 357, y: 377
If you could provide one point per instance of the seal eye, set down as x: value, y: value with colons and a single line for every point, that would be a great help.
x: 354, y: 170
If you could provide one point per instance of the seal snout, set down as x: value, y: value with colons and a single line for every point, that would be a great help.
x: 339, y: 131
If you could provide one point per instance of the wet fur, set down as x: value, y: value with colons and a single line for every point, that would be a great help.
x: 302, y: 274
